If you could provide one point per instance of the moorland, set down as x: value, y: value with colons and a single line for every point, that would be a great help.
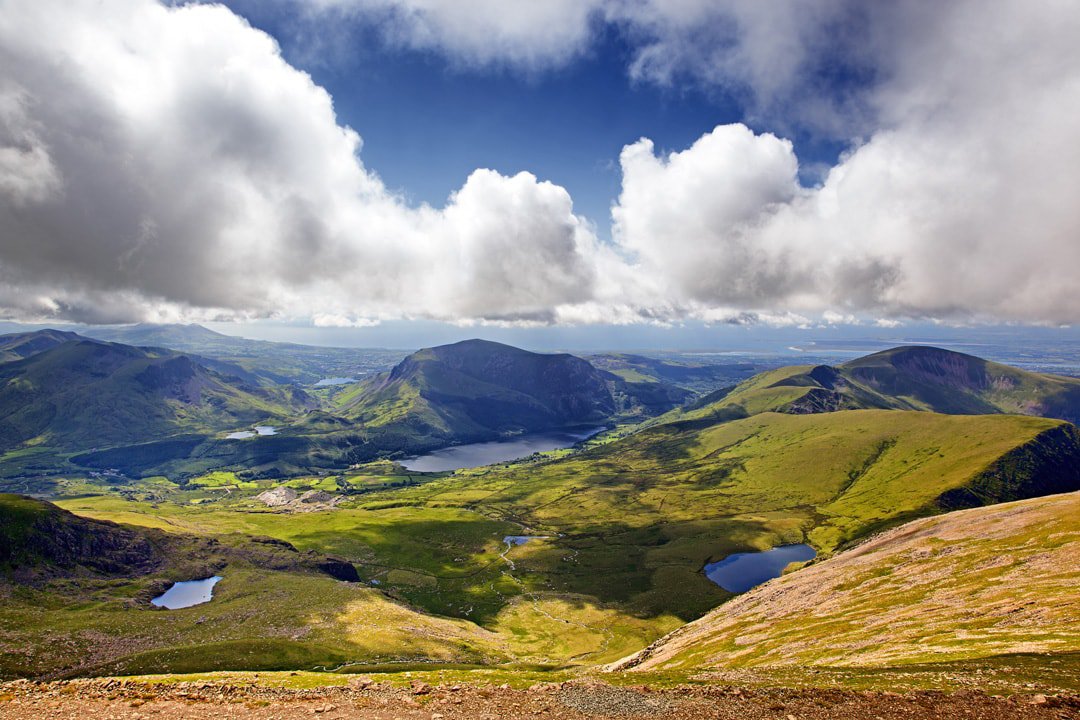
x: 903, y: 469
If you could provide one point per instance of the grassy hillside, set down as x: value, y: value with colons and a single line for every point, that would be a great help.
x: 626, y: 522
x: 76, y: 599
x: 17, y: 346
x: 37, y: 539
x: 275, y: 361
x: 903, y: 378
x: 991, y: 581
x: 477, y: 389
x: 276, y: 607
x: 86, y: 394
x: 621, y: 530
x: 942, y: 381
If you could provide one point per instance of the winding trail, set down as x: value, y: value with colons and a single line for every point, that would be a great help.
x: 536, y: 599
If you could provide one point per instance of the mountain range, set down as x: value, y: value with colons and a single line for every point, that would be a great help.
x: 904, y: 378
x: 893, y: 467
x: 82, y: 394
x: 142, y: 409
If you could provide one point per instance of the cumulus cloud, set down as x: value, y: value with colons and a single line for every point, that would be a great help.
x: 162, y: 163
x: 691, y: 217
x: 960, y: 205
x: 774, y: 56
x: 154, y: 159
x: 521, y: 33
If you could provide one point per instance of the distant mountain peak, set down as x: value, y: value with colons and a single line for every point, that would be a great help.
x: 482, y: 389
x: 908, y: 377
x: 187, y: 329
x: 17, y: 346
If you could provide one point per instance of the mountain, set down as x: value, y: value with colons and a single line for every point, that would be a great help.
x: 679, y: 373
x: 470, y: 391
x: 272, y: 362
x: 476, y: 389
x: 991, y: 581
x: 942, y: 381
x: 903, y: 378
x: 84, y: 394
x: 17, y: 346
x: 160, y: 335
x: 632, y: 519
x: 37, y: 538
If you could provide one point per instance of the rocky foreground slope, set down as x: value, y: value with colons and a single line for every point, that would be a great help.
x: 991, y: 581
x: 361, y: 698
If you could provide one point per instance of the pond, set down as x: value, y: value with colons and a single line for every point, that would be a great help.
x: 335, y: 381
x: 522, y: 539
x: 187, y: 593
x: 739, y: 572
x: 259, y: 430
x: 486, y: 453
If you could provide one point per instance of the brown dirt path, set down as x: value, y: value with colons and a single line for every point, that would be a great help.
x: 120, y: 700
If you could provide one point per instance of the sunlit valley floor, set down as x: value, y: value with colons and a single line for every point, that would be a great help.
x: 938, y: 491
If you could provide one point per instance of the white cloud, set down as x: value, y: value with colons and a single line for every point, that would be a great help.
x: 773, y: 55
x: 961, y: 205
x: 156, y: 161
x: 690, y: 217
x: 323, y: 320
x: 522, y: 33
x: 165, y: 162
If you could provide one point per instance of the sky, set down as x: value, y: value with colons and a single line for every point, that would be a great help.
x: 649, y: 171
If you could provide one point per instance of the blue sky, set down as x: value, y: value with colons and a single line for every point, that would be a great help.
x: 603, y: 168
x: 428, y: 121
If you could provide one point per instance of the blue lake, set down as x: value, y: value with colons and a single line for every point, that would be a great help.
x: 259, y: 430
x: 522, y: 539
x: 187, y: 593
x: 486, y: 453
x: 335, y: 381
x: 739, y: 572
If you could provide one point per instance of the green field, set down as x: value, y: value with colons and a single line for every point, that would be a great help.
x: 622, y: 524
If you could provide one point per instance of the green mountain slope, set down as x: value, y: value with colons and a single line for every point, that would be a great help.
x: 990, y: 581
x: 38, y: 538
x: 275, y: 362
x: 477, y: 389
x: 17, y: 346
x: 86, y: 394
x: 943, y: 381
x: 903, y: 378
x: 624, y: 529
x: 458, y: 393
x: 630, y: 520
x: 76, y: 600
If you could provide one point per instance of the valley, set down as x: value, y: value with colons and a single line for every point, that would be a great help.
x: 338, y: 551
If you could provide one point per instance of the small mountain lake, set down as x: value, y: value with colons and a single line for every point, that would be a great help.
x: 739, y: 572
x: 486, y: 453
x: 259, y: 430
x: 187, y: 593
x: 514, y: 540
x: 335, y: 381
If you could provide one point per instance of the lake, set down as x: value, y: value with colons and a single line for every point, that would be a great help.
x: 187, y: 593
x: 259, y: 430
x: 335, y: 381
x: 486, y: 453
x: 515, y: 540
x: 739, y: 572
